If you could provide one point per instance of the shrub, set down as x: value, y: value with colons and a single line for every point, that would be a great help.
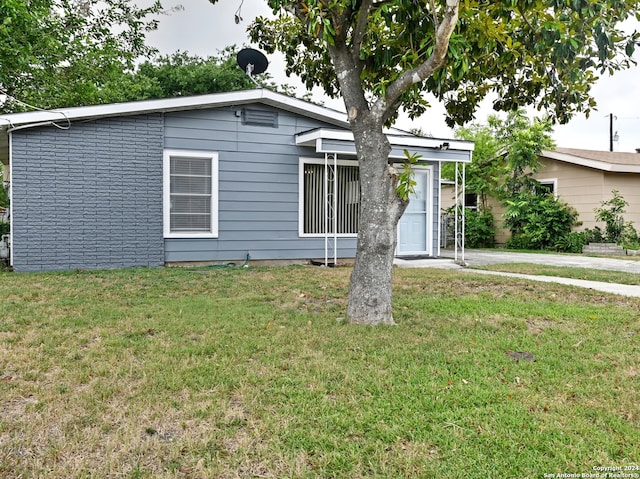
x: 4, y: 193
x: 629, y: 238
x: 538, y: 221
x: 479, y: 230
x: 611, y: 213
x: 521, y: 241
x: 571, y: 243
x: 594, y: 235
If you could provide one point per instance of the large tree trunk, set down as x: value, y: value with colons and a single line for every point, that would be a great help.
x: 370, y: 291
x: 380, y: 206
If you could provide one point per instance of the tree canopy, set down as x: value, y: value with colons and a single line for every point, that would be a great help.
x: 543, y: 53
x: 56, y: 53
x: 505, y: 156
x: 182, y: 74
x: 505, y: 159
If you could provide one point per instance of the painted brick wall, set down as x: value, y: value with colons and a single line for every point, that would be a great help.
x: 88, y: 197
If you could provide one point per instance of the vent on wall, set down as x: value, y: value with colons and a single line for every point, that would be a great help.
x: 252, y: 116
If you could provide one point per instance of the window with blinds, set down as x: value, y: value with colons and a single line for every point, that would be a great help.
x: 190, y: 193
x: 335, y: 210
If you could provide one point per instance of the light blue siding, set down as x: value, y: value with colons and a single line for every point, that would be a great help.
x: 258, y: 187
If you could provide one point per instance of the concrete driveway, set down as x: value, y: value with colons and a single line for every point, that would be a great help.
x: 480, y: 258
x: 474, y: 257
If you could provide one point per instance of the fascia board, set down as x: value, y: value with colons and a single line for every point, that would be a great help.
x: 435, y: 143
x: 403, y: 141
x: 215, y: 100
x: 586, y: 162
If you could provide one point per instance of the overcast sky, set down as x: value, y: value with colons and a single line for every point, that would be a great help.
x: 203, y: 29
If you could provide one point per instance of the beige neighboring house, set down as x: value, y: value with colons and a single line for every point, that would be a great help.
x: 583, y: 179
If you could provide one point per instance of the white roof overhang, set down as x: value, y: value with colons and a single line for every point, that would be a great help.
x: 216, y: 100
x: 326, y: 140
x: 62, y: 117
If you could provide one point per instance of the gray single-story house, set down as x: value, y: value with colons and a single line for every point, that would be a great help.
x: 205, y: 179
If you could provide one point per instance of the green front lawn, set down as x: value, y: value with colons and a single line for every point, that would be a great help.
x: 176, y: 373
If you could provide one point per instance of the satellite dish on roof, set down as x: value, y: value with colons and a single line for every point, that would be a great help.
x: 253, y: 62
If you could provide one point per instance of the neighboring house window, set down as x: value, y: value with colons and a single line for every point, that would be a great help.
x: 331, y: 210
x: 471, y: 201
x: 549, y: 186
x: 190, y: 193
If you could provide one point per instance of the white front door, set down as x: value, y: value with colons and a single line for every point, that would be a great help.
x: 414, y: 228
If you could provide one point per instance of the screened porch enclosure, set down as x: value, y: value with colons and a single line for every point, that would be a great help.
x: 329, y: 190
x: 331, y: 199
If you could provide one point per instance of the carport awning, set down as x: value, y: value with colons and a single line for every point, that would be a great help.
x: 341, y: 142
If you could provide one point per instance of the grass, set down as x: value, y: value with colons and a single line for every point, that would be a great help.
x: 605, y: 276
x: 174, y: 373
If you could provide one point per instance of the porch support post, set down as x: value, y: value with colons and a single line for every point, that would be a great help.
x: 464, y: 199
x: 326, y: 209
x: 455, y: 219
x: 330, y: 206
x: 459, y: 212
x: 335, y: 209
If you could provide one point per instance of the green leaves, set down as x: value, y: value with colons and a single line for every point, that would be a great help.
x: 406, y: 184
x: 546, y: 53
x: 611, y: 212
x: 182, y: 74
x: 63, y: 52
x: 538, y: 221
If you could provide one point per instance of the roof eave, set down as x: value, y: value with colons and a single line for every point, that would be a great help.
x: 215, y: 100
x: 313, y: 138
x: 589, y: 163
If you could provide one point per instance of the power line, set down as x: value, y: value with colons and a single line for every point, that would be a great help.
x: 20, y: 102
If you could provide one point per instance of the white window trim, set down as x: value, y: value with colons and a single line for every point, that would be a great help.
x: 316, y: 161
x: 166, y: 179
x: 551, y: 181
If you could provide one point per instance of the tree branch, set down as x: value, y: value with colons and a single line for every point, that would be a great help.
x: 423, y: 71
x: 360, y: 28
x: 348, y: 76
x: 434, y: 14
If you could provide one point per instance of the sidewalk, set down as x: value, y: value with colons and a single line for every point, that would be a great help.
x: 482, y: 257
x: 613, y: 288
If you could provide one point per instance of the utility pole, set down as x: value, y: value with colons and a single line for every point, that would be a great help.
x: 610, y: 131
